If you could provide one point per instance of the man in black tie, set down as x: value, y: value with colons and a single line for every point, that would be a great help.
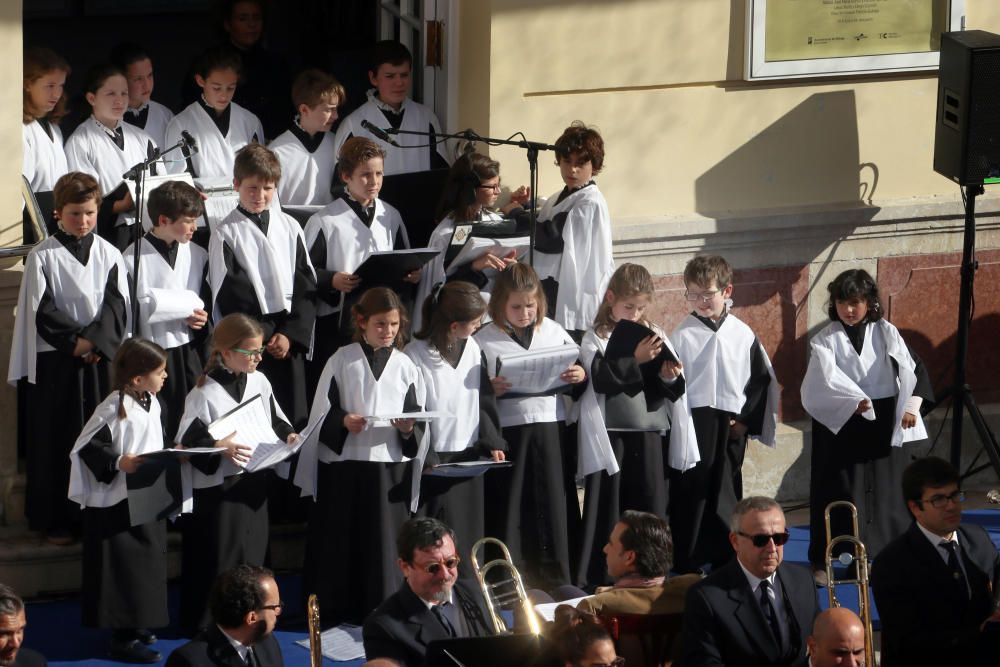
x: 934, y: 584
x: 755, y: 610
x: 245, y: 606
x: 431, y: 604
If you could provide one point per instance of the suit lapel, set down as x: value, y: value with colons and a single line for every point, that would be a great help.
x: 798, y: 607
x: 422, y: 622
x: 221, y: 651
x: 747, y: 611
x: 933, y: 563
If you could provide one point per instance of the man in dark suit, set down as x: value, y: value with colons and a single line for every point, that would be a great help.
x: 934, y: 584
x: 245, y: 606
x: 431, y: 604
x: 12, y: 624
x: 754, y: 610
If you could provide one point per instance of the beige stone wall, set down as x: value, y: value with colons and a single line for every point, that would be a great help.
x: 11, y: 498
x: 662, y: 80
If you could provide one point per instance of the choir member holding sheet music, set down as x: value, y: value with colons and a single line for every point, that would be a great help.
x: 229, y: 525
x: 72, y: 314
x: 173, y: 291
x: 532, y: 507
x: 125, y: 541
x: 106, y: 147
x: 471, y: 190
x: 258, y: 265
x: 342, y: 235
x: 457, y: 383
x: 625, y: 415
x: 360, y: 469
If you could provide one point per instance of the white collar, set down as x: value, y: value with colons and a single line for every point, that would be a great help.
x: 936, y: 539
x: 373, y: 97
x: 240, y: 648
x: 755, y: 580
x: 111, y: 132
x: 431, y: 605
x: 138, y: 110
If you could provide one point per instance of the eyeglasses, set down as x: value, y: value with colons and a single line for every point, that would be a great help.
x: 435, y: 567
x: 701, y: 296
x: 940, y: 501
x: 617, y: 662
x: 494, y: 188
x: 760, y: 541
x: 274, y: 607
x: 259, y: 352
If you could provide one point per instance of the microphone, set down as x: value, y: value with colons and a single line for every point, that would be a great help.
x: 380, y: 133
x: 189, y: 141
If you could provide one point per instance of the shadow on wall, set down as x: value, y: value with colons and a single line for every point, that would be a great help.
x: 807, y: 157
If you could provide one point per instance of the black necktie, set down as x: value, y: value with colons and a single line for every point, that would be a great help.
x: 251, y: 659
x: 956, y: 569
x: 443, y: 616
x: 767, y: 607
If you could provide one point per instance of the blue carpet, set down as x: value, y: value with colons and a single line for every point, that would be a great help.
x: 54, y: 625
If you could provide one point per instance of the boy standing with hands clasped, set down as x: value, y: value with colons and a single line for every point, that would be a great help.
x: 732, y: 393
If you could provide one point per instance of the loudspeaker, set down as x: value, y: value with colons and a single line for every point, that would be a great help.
x: 967, y: 132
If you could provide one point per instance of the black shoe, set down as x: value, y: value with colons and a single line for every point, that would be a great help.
x: 133, y: 651
x: 145, y: 636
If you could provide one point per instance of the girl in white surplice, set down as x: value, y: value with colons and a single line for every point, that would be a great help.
x: 864, y: 389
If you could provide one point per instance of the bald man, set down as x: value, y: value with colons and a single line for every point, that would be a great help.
x: 838, y: 638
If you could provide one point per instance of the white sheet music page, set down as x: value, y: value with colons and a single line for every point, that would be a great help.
x: 251, y: 421
x: 537, y: 371
x: 340, y: 643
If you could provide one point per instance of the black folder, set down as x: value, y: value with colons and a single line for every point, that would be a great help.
x: 390, y: 267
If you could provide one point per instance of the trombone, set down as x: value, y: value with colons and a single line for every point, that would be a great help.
x: 505, y: 593
x: 860, y: 580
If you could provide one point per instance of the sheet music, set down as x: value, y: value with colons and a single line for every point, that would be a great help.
x: 383, y: 420
x: 219, y: 205
x: 466, y: 468
x: 269, y: 454
x: 477, y: 246
x: 173, y: 304
x: 547, y: 610
x: 150, y: 184
x: 251, y: 421
x: 537, y: 371
x: 340, y: 643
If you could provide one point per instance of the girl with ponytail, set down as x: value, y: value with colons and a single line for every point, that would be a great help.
x: 229, y: 525
x: 124, y: 566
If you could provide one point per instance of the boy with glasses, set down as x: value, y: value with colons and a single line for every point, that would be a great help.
x: 756, y: 610
x: 732, y: 394
x: 431, y: 604
x: 934, y: 584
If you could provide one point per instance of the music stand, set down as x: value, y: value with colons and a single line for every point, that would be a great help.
x: 495, y: 651
x: 415, y: 195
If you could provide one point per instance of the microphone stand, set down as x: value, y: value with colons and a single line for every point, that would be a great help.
x: 137, y: 173
x: 532, y: 148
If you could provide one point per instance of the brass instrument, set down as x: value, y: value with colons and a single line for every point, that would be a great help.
x: 506, y: 593
x: 315, y: 643
x: 860, y: 580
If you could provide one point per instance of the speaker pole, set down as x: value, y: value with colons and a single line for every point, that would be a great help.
x: 961, y: 394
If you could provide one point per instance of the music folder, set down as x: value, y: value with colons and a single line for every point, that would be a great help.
x: 624, y: 338
x: 154, y: 490
x: 391, y: 266
x: 523, y: 650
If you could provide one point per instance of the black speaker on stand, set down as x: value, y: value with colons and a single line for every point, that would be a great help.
x: 967, y: 151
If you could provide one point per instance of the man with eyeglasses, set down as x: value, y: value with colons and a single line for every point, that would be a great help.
x: 245, y: 606
x: 755, y: 610
x: 431, y: 604
x: 935, y: 584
